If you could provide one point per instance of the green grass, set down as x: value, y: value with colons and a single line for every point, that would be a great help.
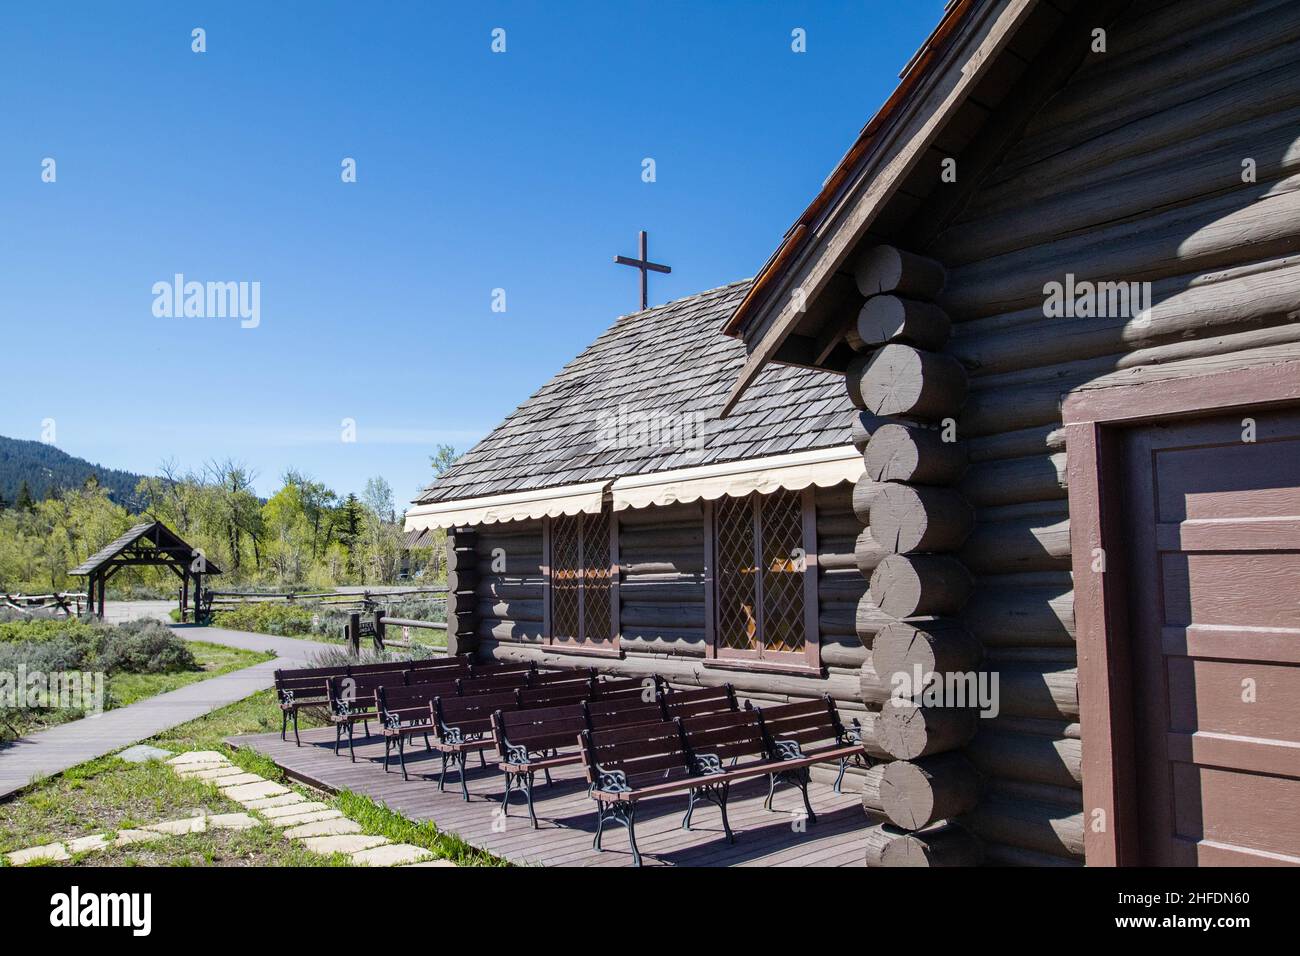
x: 108, y: 794
x: 259, y: 714
x: 212, y: 659
x: 123, y: 689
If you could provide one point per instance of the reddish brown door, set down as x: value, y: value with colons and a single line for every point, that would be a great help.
x: 1215, y: 615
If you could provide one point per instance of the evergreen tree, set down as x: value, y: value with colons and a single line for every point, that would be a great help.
x: 25, y: 502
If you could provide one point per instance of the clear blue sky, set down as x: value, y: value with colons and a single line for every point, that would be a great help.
x: 475, y: 171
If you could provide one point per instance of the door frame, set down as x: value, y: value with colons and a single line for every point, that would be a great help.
x: 1094, y: 419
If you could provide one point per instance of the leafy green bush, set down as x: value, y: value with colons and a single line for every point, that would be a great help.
x: 143, y: 647
x: 38, y: 629
x: 51, y: 646
x: 286, y: 620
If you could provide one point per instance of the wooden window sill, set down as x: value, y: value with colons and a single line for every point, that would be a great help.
x: 765, y: 667
x: 586, y: 650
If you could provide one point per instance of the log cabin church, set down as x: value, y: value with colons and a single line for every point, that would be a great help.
x: 1018, y: 395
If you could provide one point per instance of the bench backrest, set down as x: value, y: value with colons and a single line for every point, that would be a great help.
x: 380, y: 667
x: 398, y: 702
x: 634, y: 756
x: 501, y: 667
x: 440, y: 665
x: 457, y: 719
x: 571, y: 692
x: 801, y: 724
x: 493, y: 684
x: 621, y: 711
x: 304, y: 683
x: 713, y: 740
x: 699, y: 700
x: 520, y: 732
x: 359, y: 692
x: 648, y: 687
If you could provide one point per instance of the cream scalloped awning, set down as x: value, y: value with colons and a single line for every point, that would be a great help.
x: 822, y: 467
x: 515, y: 506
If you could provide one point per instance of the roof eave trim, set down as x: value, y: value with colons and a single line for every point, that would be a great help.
x: 841, y: 203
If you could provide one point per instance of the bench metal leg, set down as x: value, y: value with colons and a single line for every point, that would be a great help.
x: 296, y: 739
x: 366, y: 725
x: 528, y: 791
x: 284, y: 723
x: 714, y: 793
x: 442, y: 774
x: 388, y: 748
x: 463, y: 763
x: 352, y: 751
x: 800, y: 778
x: 839, y: 777
x: 338, y: 737
x: 401, y: 755
x: 624, y: 813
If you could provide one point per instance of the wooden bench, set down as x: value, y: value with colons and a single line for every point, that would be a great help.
x: 530, y: 737
x: 303, y: 687
x: 699, y: 700
x: 463, y: 725
x: 404, y: 712
x: 308, y: 687
x: 405, y: 709
x: 704, y: 754
x: 802, y: 734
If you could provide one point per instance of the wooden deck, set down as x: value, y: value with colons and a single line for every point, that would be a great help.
x: 564, y: 812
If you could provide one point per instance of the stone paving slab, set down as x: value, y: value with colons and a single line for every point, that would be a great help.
x: 300, y: 818
x: 233, y: 821
x: 391, y: 854
x: 179, y: 827
x: 294, y: 809
x: 343, y: 843
x: 127, y: 837
x: 214, y: 773
x: 198, y: 756
x: 283, y: 800
x: 338, y: 825
x: 50, y: 851
x: 254, y: 791
x: 85, y: 844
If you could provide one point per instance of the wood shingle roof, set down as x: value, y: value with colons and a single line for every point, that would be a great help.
x: 666, y: 371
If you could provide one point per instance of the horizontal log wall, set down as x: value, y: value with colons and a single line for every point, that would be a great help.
x: 662, y: 601
x: 1133, y: 172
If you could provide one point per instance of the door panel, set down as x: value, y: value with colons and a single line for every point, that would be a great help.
x: 1214, y: 571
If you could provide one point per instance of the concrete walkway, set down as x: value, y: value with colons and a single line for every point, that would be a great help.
x: 52, y: 751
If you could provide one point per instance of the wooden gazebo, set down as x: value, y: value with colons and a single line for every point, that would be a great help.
x: 148, y: 544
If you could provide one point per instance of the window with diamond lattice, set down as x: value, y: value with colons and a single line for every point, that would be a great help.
x: 581, y: 586
x: 761, y: 591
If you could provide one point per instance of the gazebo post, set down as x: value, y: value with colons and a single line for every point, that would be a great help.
x: 185, y: 591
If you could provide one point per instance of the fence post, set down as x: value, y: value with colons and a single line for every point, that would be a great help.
x: 379, y: 629
x: 354, y: 634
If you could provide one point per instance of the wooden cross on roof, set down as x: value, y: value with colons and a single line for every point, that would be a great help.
x: 645, y: 265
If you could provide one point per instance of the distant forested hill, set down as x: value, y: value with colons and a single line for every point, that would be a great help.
x: 46, y: 468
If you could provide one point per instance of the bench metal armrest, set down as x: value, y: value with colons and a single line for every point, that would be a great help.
x: 611, y: 781
x: 705, y: 764
x: 787, y: 750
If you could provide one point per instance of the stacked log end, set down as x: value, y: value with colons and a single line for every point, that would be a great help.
x: 909, y: 394
x: 462, y: 602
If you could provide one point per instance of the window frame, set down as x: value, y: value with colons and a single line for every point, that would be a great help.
x: 601, y: 647
x: 805, y: 661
